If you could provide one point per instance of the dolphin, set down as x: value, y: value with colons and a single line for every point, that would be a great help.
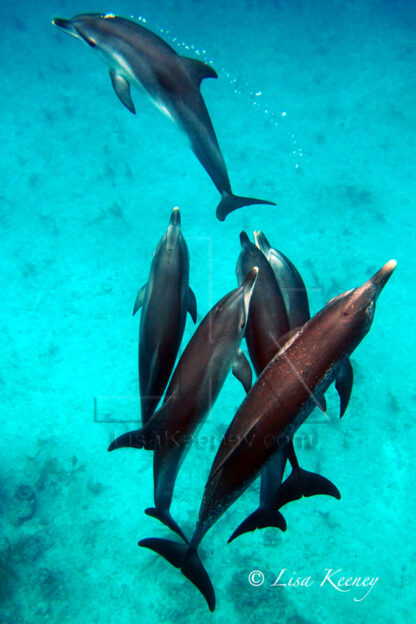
x: 268, y: 319
x: 137, y: 56
x: 164, y: 300
x: 277, y: 307
x: 297, y: 305
x: 290, y: 281
x: 196, y: 382
x: 276, y: 406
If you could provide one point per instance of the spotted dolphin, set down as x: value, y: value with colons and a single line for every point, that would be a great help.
x: 276, y: 406
x: 194, y: 387
x: 137, y: 56
x: 164, y: 299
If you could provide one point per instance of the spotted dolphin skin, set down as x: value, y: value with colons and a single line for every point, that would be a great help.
x: 164, y: 300
x: 276, y: 406
x: 137, y: 56
x: 196, y: 382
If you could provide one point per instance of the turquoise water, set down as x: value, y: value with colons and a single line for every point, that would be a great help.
x: 314, y: 109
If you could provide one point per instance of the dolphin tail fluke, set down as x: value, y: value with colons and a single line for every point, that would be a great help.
x: 260, y: 519
x: 140, y: 438
x: 185, y: 558
x: 303, y: 483
x: 166, y: 518
x: 230, y: 202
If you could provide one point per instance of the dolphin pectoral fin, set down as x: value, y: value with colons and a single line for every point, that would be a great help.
x: 303, y: 483
x: 187, y: 560
x: 131, y: 439
x: 192, y: 304
x: 122, y: 90
x: 139, y: 438
x: 242, y: 370
x: 230, y: 202
x: 260, y: 519
x: 166, y: 518
x: 198, y: 70
x: 139, y: 299
x: 343, y: 384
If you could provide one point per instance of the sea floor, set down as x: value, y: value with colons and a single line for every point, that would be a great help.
x: 314, y: 109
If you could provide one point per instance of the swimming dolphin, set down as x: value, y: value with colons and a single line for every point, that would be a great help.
x: 276, y: 308
x: 290, y: 282
x: 276, y: 406
x: 136, y: 56
x: 165, y: 299
x: 297, y: 305
x: 268, y: 319
x: 196, y: 382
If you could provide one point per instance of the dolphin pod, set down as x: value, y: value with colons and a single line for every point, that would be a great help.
x: 194, y: 387
x: 279, y: 307
x: 137, y: 56
x: 164, y: 300
x: 296, y: 357
x: 278, y: 403
x: 273, y: 494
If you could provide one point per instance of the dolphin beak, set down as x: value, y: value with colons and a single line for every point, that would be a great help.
x: 62, y: 23
x: 261, y: 241
x: 174, y: 230
x: 380, y: 279
x: 244, y: 240
x: 248, y: 287
x: 175, y: 217
x: 65, y: 25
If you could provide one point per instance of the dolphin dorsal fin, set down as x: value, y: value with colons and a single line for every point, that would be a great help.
x: 198, y: 70
x: 122, y: 90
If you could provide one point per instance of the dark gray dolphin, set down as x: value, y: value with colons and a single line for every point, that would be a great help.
x: 165, y: 300
x: 296, y: 299
x: 290, y: 282
x: 136, y: 56
x: 276, y: 308
x: 193, y: 389
x: 276, y: 406
x: 268, y: 319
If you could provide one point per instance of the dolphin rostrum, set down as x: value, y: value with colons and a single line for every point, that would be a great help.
x: 165, y: 299
x: 137, y: 56
x: 196, y: 382
x: 276, y: 406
